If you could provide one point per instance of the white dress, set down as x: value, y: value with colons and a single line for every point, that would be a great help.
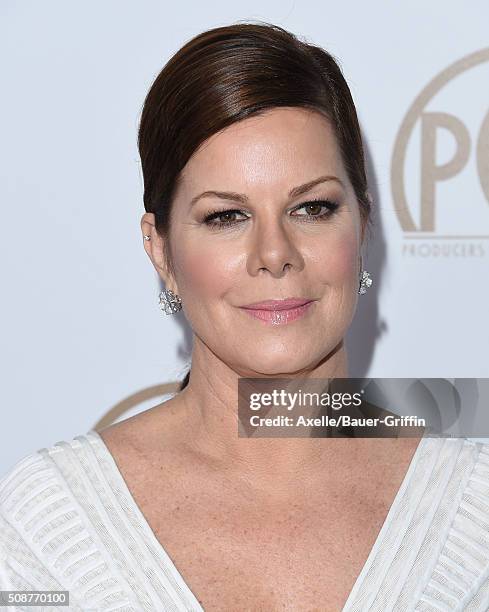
x: 69, y: 522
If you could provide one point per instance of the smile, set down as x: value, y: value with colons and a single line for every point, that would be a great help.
x: 279, y: 317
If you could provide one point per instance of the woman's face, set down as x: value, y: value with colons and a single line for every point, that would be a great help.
x: 275, y: 247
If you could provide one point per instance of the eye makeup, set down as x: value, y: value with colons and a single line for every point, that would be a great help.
x: 213, y: 218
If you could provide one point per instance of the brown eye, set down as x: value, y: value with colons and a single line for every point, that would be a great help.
x: 222, y: 218
x: 317, y: 210
x: 314, y: 208
x: 226, y: 217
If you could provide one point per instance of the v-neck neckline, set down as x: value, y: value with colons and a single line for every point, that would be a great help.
x: 132, y: 507
x: 406, y: 483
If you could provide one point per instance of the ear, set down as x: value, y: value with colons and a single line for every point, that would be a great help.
x: 155, y: 248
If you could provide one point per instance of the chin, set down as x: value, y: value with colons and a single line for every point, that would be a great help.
x: 279, y: 365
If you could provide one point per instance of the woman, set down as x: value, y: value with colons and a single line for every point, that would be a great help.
x: 255, y: 191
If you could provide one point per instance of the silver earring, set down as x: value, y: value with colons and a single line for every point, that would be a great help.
x: 147, y: 237
x: 169, y: 302
x: 365, y: 282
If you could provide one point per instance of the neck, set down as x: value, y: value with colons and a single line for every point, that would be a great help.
x: 210, y: 430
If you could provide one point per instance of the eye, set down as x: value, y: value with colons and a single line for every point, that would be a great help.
x: 317, y: 210
x: 212, y: 218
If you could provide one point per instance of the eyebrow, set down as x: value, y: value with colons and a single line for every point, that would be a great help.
x: 243, y: 199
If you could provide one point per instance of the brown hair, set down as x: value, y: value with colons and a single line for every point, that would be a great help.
x: 227, y: 74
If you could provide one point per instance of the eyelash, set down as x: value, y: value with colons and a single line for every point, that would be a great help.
x: 328, y: 204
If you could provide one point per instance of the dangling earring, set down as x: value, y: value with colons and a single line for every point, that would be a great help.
x: 365, y: 280
x: 170, y: 302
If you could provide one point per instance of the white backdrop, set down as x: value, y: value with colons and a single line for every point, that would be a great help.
x: 81, y: 329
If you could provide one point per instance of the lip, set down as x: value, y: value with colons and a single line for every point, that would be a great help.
x: 285, y: 304
x: 279, y: 312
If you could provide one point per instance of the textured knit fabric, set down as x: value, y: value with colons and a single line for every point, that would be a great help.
x: 69, y: 522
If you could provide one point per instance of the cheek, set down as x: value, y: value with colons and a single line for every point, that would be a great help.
x: 204, y: 272
x: 339, y: 261
x: 346, y: 259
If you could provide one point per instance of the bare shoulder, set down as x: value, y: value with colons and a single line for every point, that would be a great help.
x: 145, y: 430
x: 147, y: 447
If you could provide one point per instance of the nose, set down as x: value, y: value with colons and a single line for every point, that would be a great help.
x: 273, y: 248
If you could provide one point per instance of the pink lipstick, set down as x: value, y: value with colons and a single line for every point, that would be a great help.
x: 279, y: 312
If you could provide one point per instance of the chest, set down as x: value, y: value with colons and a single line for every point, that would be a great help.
x: 236, y: 549
x: 306, y: 557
